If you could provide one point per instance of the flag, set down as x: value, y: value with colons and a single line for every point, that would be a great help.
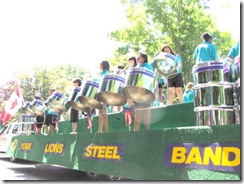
x: 128, y: 117
x: 12, y: 106
x: 89, y: 122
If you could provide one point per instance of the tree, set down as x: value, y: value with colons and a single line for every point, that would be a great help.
x: 41, y: 79
x: 179, y: 23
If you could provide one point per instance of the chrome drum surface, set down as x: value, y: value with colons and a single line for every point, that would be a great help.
x: 89, y: 94
x: 110, y: 90
x: 139, y: 85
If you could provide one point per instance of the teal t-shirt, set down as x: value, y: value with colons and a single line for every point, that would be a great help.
x: 147, y: 66
x: 177, y: 61
x: 235, y: 50
x: 206, y: 51
x: 188, y: 96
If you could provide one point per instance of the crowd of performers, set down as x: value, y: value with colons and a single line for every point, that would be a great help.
x: 204, y: 52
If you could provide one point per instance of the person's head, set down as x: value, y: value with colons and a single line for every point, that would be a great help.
x: 207, y: 37
x: 167, y: 49
x: 51, y: 91
x: 38, y: 96
x: 104, y: 65
x: 142, y: 58
x: 77, y: 82
x: 132, y: 61
x: 121, y: 67
x: 189, y: 85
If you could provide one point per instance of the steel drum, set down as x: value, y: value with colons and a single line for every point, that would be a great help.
x: 165, y: 63
x: 208, y: 72
x: 73, y: 102
x: 57, y: 101
x: 49, y: 104
x: 139, y: 85
x: 214, y: 95
x: 88, y: 95
x: 215, y: 116
x: 38, y: 107
x: 26, y: 109
x: 110, y: 90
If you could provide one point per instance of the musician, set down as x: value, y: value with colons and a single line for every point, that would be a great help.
x: 189, y: 93
x: 74, y: 114
x: 235, y: 50
x: 39, y: 119
x: 161, y: 83
x: 120, y: 71
x: 175, y: 84
x: 142, y: 61
x: 51, y: 120
x: 103, y: 117
x: 206, y: 51
x: 130, y: 103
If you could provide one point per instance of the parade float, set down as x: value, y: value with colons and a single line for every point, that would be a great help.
x: 199, y: 140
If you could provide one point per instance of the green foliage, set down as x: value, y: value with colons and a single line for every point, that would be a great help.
x: 179, y: 23
x: 41, y: 79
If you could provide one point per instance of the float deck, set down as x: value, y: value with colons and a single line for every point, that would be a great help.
x: 173, y: 149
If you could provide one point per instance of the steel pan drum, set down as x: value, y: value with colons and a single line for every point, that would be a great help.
x: 139, y: 85
x: 73, y: 100
x: 110, y: 90
x: 88, y: 95
x: 38, y: 107
x: 49, y: 104
x: 165, y: 63
x: 214, y: 95
x: 208, y: 72
x: 57, y: 101
x: 26, y: 109
x: 215, y: 116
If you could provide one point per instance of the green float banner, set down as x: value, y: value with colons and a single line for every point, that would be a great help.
x: 189, y: 153
x: 182, y: 151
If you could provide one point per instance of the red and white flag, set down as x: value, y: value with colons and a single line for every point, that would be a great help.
x: 12, y: 106
x: 89, y: 122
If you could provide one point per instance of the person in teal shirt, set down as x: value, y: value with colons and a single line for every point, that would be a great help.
x: 189, y: 93
x: 142, y: 61
x: 103, y: 117
x: 174, y: 85
x: 235, y: 50
x: 206, y: 51
x: 51, y: 120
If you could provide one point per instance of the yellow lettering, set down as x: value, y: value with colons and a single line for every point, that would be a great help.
x: 88, y: 152
x: 95, y: 148
x: 115, y: 156
x: 46, y: 148
x: 209, y: 154
x: 101, y: 152
x: 109, y: 152
x: 178, y: 155
x: 60, y: 150
x: 194, y: 156
x: 225, y: 156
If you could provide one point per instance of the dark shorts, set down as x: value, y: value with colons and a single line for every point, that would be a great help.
x: 74, y: 115
x: 39, y: 125
x: 177, y: 81
x: 39, y: 121
x: 50, y: 119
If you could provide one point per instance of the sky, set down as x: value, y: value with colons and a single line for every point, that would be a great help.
x: 56, y: 32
